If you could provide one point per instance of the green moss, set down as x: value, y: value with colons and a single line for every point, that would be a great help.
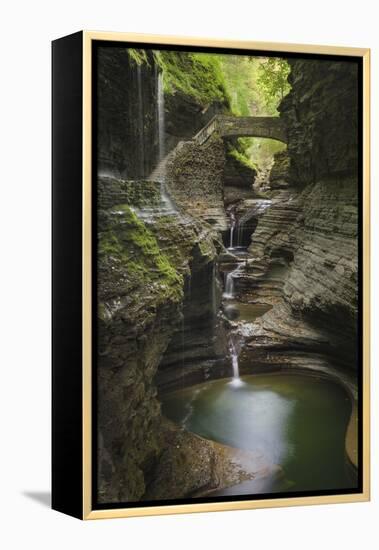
x: 130, y: 243
x: 196, y: 75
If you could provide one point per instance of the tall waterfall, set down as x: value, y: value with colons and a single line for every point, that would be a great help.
x: 166, y: 206
x: 161, y: 117
x: 140, y: 117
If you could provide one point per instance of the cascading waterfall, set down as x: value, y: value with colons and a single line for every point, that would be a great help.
x: 167, y: 206
x: 229, y: 285
x: 140, y: 117
x: 161, y: 117
x: 232, y: 227
x: 229, y: 282
x: 234, y: 352
x: 240, y: 233
x: 258, y: 209
x: 214, y: 297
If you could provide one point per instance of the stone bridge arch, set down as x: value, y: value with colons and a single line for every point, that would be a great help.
x: 244, y: 126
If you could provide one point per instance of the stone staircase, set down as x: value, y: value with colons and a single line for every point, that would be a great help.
x: 166, y: 206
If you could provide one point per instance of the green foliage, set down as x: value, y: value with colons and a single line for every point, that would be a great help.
x: 197, y: 75
x: 248, y: 83
x: 272, y: 78
x: 132, y: 245
x: 138, y: 56
x: 242, y: 158
x: 262, y: 150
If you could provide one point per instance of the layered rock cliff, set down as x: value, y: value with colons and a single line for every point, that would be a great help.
x: 162, y: 222
x: 142, y: 269
x: 310, y: 232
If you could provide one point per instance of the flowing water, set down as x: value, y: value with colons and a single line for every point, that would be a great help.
x: 233, y: 222
x: 234, y: 348
x: 166, y: 206
x: 229, y: 282
x: 229, y: 286
x: 161, y: 117
x: 293, y: 421
x: 140, y: 120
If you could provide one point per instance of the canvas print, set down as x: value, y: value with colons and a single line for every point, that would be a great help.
x: 227, y: 338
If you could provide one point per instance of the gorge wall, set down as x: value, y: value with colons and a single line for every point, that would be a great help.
x: 162, y: 254
x: 310, y: 231
x: 152, y: 263
x: 127, y: 113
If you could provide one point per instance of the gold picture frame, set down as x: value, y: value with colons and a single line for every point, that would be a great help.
x: 87, y: 39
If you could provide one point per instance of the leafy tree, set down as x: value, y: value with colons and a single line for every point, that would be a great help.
x: 272, y: 78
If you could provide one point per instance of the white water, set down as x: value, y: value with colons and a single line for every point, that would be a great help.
x: 229, y: 282
x: 214, y: 296
x: 166, y: 206
x: 229, y: 286
x: 140, y: 122
x: 161, y: 118
x: 232, y: 227
x: 257, y: 209
x: 236, y: 381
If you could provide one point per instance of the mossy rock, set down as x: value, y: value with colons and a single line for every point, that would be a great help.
x: 130, y: 245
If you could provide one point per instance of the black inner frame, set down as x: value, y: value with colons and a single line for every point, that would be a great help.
x: 94, y: 439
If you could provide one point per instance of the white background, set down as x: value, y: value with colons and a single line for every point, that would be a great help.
x: 27, y: 29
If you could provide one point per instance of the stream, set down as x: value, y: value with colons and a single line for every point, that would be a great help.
x: 295, y: 424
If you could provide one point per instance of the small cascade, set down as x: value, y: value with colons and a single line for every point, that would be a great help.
x: 232, y: 227
x: 229, y: 282
x: 240, y: 230
x: 229, y: 285
x: 258, y: 208
x: 234, y: 349
x: 214, y: 297
x: 140, y: 117
x: 233, y: 223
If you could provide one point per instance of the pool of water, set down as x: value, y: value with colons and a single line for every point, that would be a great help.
x: 293, y: 421
x: 246, y: 312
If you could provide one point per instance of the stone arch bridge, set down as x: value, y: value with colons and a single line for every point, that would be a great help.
x: 243, y: 126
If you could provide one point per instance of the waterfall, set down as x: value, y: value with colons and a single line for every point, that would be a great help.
x: 167, y: 206
x: 240, y: 233
x: 161, y: 117
x: 232, y: 227
x: 140, y: 117
x: 229, y: 282
x: 229, y: 285
x: 234, y: 352
x: 214, y: 298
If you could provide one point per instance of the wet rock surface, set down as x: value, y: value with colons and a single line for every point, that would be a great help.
x: 141, y: 272
x: 163, y: 322
x: 126, y: 109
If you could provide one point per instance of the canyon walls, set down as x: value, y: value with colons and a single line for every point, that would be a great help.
x: 165, y: 214
x: 312, y: 227
x: 156, y: 268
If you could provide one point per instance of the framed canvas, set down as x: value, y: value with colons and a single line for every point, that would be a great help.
x: 210, y: 275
